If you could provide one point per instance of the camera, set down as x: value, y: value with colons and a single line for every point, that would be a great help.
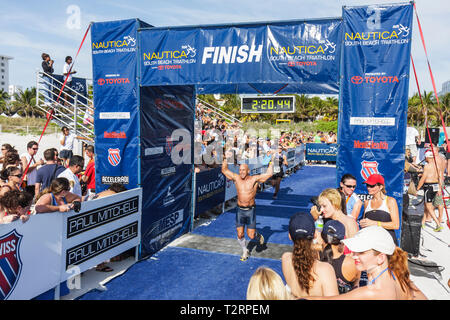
x: 76, y: 206
x: 315, y: 201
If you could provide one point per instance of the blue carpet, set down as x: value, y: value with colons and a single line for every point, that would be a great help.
x: 189, y: 274
x: 185, y: 274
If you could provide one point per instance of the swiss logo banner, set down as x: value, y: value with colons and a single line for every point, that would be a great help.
x: 374, y: 95
x: 10, y: 263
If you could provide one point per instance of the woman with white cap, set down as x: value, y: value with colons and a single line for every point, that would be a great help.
x: 381, y: 210
x: 374, y: 251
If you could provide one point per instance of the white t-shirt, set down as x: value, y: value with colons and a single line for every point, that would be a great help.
x: 66, y: 70
x: 68, y: 143
x: 31, y: 176
x: 75, y: 186
x: 411, y: 134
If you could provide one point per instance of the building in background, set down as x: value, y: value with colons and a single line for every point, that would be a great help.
x: 12, y: 89
x: 445, y: 88
x: 4, y: 72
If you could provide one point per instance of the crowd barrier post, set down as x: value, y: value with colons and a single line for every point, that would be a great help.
x: 194, y: 199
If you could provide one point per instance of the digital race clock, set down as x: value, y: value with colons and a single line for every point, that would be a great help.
x: 268, y: 104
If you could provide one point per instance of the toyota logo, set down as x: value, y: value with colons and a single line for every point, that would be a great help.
x: 101, y: 81
x: 357, y: 79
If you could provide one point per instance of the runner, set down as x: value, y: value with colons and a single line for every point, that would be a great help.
x: 431, y: 181
x: 280, y: 156
x: 246, y: 187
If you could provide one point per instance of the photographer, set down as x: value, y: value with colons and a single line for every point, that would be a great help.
x: 58, y: 198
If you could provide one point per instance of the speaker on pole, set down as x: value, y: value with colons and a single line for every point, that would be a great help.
x: 434, y: 133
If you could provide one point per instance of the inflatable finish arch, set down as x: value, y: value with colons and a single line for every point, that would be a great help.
x: 146, y: 79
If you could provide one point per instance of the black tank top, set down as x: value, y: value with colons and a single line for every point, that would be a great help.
x: 343, y: 284
x: 381, y: 214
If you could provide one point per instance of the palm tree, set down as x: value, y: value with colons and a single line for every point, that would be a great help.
x: 414, y: 107
x: 302, y: 103
x: 317, y: 108
x: 428, y: 103
x: 445, y: 106
x: 25, y: 103
x: 4, y: 96
x: 232, y: 104
x: 332, y: 104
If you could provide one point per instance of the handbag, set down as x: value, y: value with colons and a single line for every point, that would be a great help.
x: 412, y: 189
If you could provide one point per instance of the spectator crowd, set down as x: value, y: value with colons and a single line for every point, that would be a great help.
x: 213, y: 132
x: 54, y: 183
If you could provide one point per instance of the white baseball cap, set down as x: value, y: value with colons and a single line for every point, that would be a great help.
x: 428, y: 154
x: 373, y: 237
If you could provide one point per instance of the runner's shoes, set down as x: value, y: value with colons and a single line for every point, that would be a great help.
x: 245, y: 255
x: 261, y: 239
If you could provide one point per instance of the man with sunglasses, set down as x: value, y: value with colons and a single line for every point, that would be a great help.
x: 353, y: 203
x: 29, y: 158
x: 76, y: 165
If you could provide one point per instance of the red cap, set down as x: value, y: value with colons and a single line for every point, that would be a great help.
x: 374, y: 179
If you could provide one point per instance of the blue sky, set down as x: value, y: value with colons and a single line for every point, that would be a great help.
x: 28, y: 28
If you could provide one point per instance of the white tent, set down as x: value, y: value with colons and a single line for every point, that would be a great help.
x: 16, y: 116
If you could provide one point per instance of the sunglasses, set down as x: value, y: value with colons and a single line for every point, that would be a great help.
x: 352, y: 187
x: 17, y: 175
x: 35, y: 148
x: 371, y: 185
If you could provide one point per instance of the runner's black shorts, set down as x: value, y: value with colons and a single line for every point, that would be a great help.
x: 430, y: 191
x: 246, y: 216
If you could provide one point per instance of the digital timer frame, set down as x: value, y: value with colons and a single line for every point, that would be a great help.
x: 268, y: 104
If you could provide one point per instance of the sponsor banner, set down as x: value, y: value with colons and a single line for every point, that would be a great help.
x: 166, y: 182
x: 116, y: 116
x: 35, y: 256
x: 30, y: 256
x: 210, y: 189
x: 300, y: 154
x: 91, y: 219
x: 104, y: 228
x: 374, y: 94
x: 304, y: 55
x: 114, y: 135
x: 115, y: 179
x: 321, y: 151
